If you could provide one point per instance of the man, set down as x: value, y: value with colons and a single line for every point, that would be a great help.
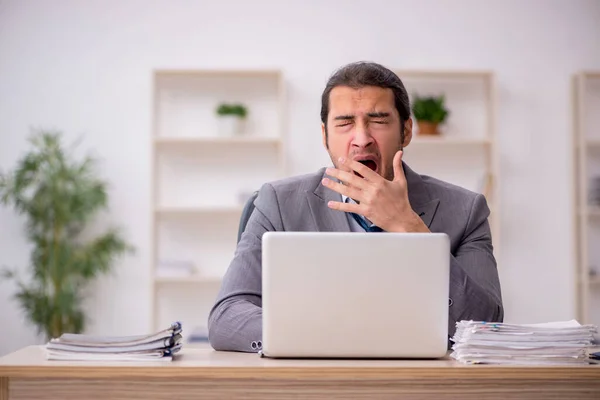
x: 366, y: 124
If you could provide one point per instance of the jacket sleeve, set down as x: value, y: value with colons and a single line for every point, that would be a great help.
x: 235, y: 321
x: 474, y: 283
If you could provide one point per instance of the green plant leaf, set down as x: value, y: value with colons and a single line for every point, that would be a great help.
x: 37, y: 306
x: 232, y: 109
x: 97, y: 256
x: 430, y: 109
x: 59, y: 196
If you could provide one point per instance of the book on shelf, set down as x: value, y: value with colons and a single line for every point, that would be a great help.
x: 158, y: 346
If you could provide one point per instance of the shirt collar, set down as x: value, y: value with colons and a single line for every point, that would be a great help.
x: 346, y: 199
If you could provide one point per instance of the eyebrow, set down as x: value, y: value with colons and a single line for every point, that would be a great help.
x: 378, y: 114
x: 370, y: 115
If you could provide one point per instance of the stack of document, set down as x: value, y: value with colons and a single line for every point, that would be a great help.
x: 554, y: 343
x: 159, y: 346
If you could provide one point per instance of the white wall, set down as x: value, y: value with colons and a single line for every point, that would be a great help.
x: 85, y: 67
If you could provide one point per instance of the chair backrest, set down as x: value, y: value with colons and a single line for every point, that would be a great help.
x: 246, y: 213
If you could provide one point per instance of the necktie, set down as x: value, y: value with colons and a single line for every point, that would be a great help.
x: 361, y: 221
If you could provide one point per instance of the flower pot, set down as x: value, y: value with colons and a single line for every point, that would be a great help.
x: 230, y: 125
x: 428, y: 128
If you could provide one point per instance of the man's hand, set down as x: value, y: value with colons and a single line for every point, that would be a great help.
x: 385, y: 203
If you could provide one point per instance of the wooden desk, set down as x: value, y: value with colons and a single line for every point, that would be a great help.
x: 203, y: 373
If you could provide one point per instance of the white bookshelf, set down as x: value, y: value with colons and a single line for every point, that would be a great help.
x: 201, y: 180
x: 586, y: 214
x: 167, y: 142
x: 191, y: 211
x: 465, y: 153
x: 456, y: 141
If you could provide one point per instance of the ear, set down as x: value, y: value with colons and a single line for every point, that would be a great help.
x: 324, y: 136
x: 408, y: 129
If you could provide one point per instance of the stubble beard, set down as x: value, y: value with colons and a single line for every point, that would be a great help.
x: 389, y: 169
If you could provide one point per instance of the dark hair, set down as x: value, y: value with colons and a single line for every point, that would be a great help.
x: 360, y: 74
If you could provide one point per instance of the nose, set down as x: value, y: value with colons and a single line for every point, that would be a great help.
x: 362, y: 138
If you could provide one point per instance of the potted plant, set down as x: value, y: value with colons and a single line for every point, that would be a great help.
x: 58, y: 196
x: 429, y: 111
x: 231, y: 118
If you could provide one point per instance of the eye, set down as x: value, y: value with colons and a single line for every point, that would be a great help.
x: 343, y: 124
x: 380, y: 122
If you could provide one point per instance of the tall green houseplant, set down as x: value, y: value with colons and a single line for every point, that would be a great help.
x: 59, y: 196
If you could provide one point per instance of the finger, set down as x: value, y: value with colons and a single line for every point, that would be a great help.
x: 346, y: 190
x: 346, y: 207
x: 398, y: 170
x: 362, y: 169
x: 347, y: 177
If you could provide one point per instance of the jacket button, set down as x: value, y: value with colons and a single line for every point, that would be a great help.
x: 450, y: 302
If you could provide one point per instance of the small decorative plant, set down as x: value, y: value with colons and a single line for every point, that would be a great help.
x: 58, y: 196
x: 231, y: 117
x: 429, y: 111
x: 238, y: 110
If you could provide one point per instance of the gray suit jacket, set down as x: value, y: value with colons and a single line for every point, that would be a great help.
x: 300, y: 204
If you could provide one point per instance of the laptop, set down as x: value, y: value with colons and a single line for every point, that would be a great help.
x: 355, y: 295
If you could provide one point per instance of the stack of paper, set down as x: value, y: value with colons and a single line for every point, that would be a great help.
x: 555, y: 343
x: 159, y: 346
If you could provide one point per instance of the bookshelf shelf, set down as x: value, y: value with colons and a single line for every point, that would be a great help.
x: 164, y: 142
x: 187, y: 280
x: 450, y: 141
x: 189, y: 211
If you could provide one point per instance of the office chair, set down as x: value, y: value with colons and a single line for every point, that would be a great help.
x: 246, y: 212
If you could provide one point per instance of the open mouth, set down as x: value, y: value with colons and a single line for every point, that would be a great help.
x: 371, y: 164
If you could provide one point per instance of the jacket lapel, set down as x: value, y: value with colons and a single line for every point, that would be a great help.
x: 326, y: 219
x: 418, y: 196
x: 427, y: 211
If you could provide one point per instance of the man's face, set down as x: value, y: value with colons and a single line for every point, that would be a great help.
x: 364, y: 125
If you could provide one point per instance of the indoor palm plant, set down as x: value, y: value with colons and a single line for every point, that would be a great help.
x: 58, y: 195
x: 429, y: 111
